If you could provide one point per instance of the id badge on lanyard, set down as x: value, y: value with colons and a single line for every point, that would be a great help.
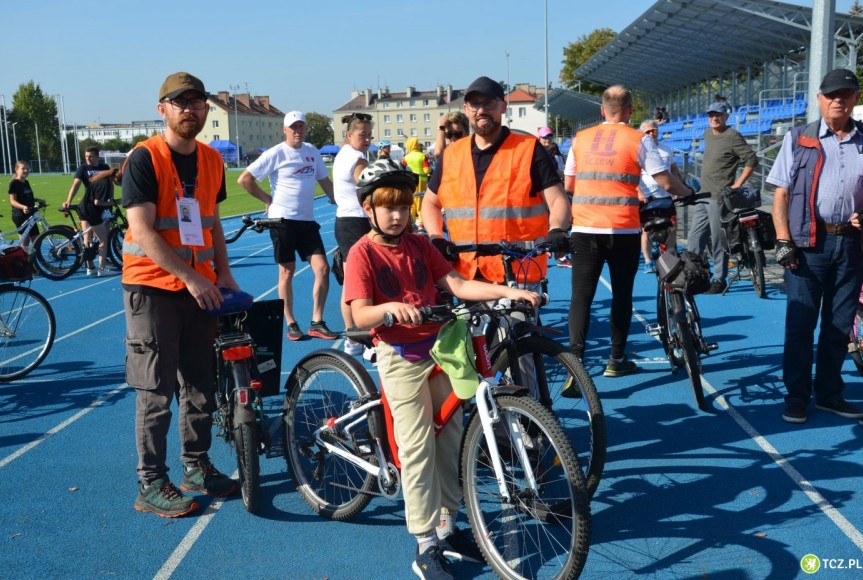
x: 189, y: 215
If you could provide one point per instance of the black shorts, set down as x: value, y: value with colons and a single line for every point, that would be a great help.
x: 296, y: 237
x: 19, y: 217
x: 348, y: 231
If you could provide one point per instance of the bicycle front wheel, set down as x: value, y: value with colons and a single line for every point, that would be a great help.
x: 115, y: 247
x: 58, y: 255
x: 687, y: 344
x: 542, y: 530
x: 558, y: 380
x: 27, y: 329
x: 324, y: 387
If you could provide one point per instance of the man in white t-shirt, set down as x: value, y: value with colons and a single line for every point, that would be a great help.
x: 649, y: 189
x: 293, y: 167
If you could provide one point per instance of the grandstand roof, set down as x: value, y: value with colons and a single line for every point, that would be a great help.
x: 682, y: 42
x: 571, y: 104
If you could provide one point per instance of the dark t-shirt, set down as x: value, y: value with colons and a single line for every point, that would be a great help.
x: 543, y: 172
x: 86, y: 171
x: 23, y: 194
x: 139, y: 177
x: 101, y: 191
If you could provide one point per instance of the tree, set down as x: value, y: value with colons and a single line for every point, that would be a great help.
x: 319, y: 131
x: 579, y: 52
x: 856, y: 9
x: 32, y: 107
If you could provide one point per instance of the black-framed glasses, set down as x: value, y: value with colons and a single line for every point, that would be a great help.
x: 356, y: 116
x: 477, y: 105
x: 196, y: 104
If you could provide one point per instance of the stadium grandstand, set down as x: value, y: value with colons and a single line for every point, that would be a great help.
x: 681, y: 54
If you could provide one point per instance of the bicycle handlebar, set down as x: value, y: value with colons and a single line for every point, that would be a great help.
x: 256, y: 224
x: 446, y: 312
x: 523, y: 250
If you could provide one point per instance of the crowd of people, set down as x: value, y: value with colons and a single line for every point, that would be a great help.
x: 488, y: 184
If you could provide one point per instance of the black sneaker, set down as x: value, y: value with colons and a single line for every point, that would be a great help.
x: 162, y: 498
x: 717, y: 287
x: 619, y: 368
x: 205, y: 478
x: 842, y: 408
x: 431, y: 564
x: 294, y: 332
x: 320, y: 330
x: 794, y: 413
x: 460, y: 545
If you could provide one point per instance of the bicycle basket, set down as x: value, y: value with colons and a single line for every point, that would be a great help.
x: 15, y: 265
x: 741, y: 198
x: 688, y: 272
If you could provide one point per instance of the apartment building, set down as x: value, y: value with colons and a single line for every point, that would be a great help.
x: 251, y: 121
x: 101, y: 132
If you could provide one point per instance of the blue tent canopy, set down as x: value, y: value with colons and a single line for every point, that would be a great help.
x: 230, y: 153
x: 565, y: 145
x: 329, y: 149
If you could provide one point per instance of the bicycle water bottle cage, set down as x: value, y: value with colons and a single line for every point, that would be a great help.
x: 235, y: 301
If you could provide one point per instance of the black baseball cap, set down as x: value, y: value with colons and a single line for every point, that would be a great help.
x: 838, y: 79
x: 486, y: 87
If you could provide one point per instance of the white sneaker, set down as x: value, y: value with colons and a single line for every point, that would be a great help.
x: 91, y: 271
x: 353, y: 348
x: 370, y: 355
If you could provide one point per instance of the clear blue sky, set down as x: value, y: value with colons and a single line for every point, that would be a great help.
x: 109, y: 58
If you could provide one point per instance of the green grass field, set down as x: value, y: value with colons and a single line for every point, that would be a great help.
x: 54, y: 188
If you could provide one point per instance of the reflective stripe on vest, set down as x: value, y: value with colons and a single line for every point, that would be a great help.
x: 505, y: 208
x: 184, y: 252
x: 172, y: 223
x: 605, y: 200
x: 604, y: 176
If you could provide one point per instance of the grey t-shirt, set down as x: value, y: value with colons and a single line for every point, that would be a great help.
x: 723, y: 154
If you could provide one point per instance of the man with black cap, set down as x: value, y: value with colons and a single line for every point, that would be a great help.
x: 494, y: 186
x: 725, y: 150
x: 172, y: 274
x: 816, y: 211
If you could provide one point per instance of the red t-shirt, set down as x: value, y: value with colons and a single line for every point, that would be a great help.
x: 404, y: 273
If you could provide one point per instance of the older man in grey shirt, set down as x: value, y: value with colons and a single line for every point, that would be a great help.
x: 816, y: 210
x: 725, y: 150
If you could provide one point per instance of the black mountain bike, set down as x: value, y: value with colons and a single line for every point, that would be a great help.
x: 678, y: 325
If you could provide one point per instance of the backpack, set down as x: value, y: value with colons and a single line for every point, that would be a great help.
x: 15, y: 265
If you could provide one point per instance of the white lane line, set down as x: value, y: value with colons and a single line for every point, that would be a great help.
x: 828, y: 509
x: 179, y: 553
x: 97, y: 403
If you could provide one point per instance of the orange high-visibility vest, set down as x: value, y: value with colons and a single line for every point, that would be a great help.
x: 138, y: 268
x: 504, y: 208
x: 605, y: 200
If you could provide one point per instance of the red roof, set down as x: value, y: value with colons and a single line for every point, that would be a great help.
x: 520, y: 96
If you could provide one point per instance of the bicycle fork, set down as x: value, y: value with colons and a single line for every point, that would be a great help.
x: 488, y: 413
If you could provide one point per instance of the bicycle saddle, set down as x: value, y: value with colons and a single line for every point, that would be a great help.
x: 236, y: 301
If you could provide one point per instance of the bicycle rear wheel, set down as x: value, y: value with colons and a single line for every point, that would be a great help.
x: 666, y: 326
x: 115, y: 247
x: 27, y: 329
x: 560, y: 382
x: 325, y: 386
x: 58, y: 255
x: 756, y: 268
x: 247, y: 446
x: 542, y: 530
x: 687, y: 344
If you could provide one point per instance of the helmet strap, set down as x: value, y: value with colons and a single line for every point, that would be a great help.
x: 388, y: 238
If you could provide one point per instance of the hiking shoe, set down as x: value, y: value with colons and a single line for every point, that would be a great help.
x: 205, y: 478
x: 616, y: 368
x: 353, y: 348
x: 320, y: 330
x: 717, y: 287
x: 431, y: 564
x: 294, y: 332
x: 842, y: 408
x: 460, y: 545
x: 564, y: 263
x: 794, y: 413
x: 162, y: 498
x: 649, y: 268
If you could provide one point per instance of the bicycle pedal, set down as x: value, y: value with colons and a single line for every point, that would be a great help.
x: 710, y: 346
x: 276, y: 450
x: 654, y: 329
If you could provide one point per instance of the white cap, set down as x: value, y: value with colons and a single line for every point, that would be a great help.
x: 293, y: 117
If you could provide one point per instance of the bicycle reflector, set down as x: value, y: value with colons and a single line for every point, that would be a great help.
x: 237, y: 353
x: 243, y: 397
x: 255, y: 385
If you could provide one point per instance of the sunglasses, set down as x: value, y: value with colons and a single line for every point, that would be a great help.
x: 454, y: 134
x: 356, y: 116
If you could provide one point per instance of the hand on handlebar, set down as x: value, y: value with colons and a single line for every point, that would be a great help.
x: 445, y: 247
x: 558, y: 240
x: 400, y: 313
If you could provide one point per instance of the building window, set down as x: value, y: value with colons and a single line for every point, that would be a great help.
x: 522, y: 112
x: 400, y: 119
x: 413, y: 118
x: 386, y: 105
x: 413, y: 103
x: 427, y: 117
x: 215, y: 137
x: 400, y: 132
x: 509, y: 112
x: 398, y: 104
x: 425, y: 102
x: 386, y: 118
x: 426, y: 131
x: 387, y: 133
x: 215, y: 123
x: 413, y: 132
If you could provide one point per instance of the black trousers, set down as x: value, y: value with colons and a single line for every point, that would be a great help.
x: 590, y: 252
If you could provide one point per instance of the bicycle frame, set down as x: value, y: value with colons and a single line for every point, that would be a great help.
x: 24, y: 229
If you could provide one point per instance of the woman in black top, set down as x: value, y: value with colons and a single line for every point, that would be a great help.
x: 97, y: 200
x: 21, y: 199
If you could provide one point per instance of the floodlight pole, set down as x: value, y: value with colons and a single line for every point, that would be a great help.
x: 546, y: 63
x: 15, y: 139
x: 821, y: 49
x: 236, y: 88
x: 508, y: 88
x: 4, y: 138
x: 38, y: 151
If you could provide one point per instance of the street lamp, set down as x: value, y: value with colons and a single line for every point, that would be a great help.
x: 15, y: 140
